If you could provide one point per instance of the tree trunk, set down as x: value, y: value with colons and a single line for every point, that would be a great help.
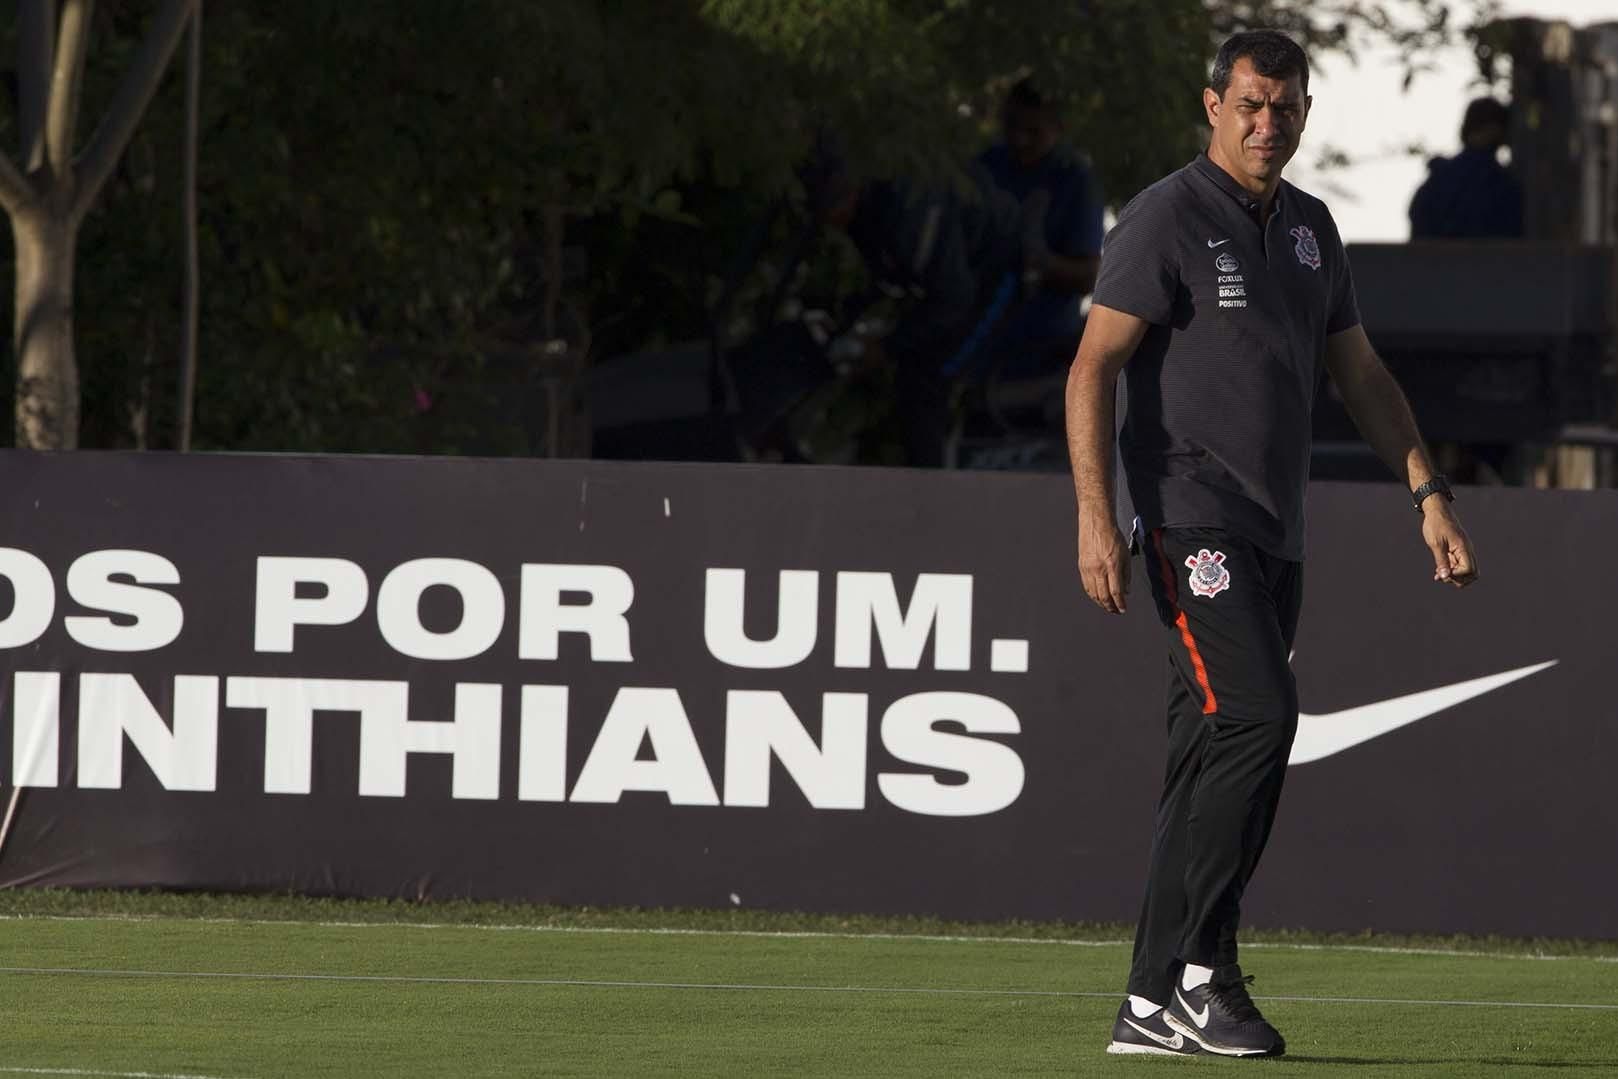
x: 193, y: 272
x: 47, y: 373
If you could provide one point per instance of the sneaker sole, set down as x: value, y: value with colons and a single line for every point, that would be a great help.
x: 1131, y: 1049
x: 1214, y: 1047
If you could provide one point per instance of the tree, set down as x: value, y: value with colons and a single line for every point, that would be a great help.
x: 383, y: 183
x: 1413, y: 27
x: 48, y: 195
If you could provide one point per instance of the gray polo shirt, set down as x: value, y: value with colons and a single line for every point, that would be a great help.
x: 1221, y: 388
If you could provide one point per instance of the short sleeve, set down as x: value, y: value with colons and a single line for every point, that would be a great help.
x: 1344, y: 312
x: 1140, y: 272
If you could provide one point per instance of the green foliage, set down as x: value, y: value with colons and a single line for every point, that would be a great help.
x: 376, y: 175
x: 1414, y: 28
x: 914, y: 85
x: 373, y: 179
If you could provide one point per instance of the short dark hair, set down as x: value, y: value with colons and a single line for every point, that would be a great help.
x: 1485, y: 112
x: 1274, y: 55
x: 1026, y: 94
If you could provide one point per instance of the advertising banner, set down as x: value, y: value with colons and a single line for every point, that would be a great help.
x: 791, y: 688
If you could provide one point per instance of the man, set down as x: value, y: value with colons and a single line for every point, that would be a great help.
x: 1471, y: 195
x: 950, y: 258
x: 1227, y: 293
x: 1061, y: 208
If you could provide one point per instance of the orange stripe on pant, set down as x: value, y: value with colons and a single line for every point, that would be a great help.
x: 1172, y: 590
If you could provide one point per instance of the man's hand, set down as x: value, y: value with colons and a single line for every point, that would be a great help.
x: 1103, y: 561
x: 1453, y: 560
x: 1110, y: 338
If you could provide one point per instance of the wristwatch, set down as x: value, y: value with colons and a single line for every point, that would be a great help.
x: 1439, y: 484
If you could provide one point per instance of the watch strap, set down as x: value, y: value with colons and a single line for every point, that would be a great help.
x: 1439, y: 484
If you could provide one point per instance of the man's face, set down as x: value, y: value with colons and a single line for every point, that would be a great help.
x: 1030, y: 134
x: 1257, y: 125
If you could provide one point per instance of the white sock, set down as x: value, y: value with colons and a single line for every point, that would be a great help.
x: 1195, y: 976
x: 1140, y: 1007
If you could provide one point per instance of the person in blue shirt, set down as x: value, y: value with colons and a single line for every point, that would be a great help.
x: 949, y: 256
x: 1471, y: 194
x: 1061, y: 211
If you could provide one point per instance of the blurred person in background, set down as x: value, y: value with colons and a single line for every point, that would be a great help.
x: 950, y: 259
x: 1471, y: 195
x: 1061, y: 208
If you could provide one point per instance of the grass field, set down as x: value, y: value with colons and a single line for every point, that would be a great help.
x: 129, y: 985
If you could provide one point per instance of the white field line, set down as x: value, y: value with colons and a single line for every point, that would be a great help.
x: 97, y: 1072
x: 1447, y: 1003
x: 591, y: 983
x: 1378, y: 949
x: 789, y: 934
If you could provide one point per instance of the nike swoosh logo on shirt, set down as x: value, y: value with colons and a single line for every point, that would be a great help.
x: 1226, y: 240
x: 1199, y: 1018
x: 1176, y: 1042
x: 1325, y: 735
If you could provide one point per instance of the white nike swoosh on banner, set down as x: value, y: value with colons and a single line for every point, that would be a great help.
x: 1322, y: 736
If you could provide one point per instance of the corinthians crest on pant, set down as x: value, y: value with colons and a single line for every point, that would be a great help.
x: 1209, y: 577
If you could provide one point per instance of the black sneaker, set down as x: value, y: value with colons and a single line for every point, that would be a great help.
x: 1221, y: 1017
x: 1132, y: 1034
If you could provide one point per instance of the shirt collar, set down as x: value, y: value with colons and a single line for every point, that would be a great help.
x: 1227, y: 183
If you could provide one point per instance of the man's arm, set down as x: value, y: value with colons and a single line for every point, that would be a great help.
x: 1383, y: 416
x: 1110, y: 339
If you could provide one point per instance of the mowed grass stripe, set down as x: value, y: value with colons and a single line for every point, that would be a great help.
x: 269, y: 1030
x: 301, y: 948
x: 584, y: 983
x: 574, y: 983
x: 511, y: 916
x: 785, y: 934
x: 326, y: 1030
x: 467, y: 1023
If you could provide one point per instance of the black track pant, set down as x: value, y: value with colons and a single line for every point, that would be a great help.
x: 1230, y: 612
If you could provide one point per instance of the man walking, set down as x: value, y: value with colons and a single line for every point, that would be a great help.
x: 1224, y: 295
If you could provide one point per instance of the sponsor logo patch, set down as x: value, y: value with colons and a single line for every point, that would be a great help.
x: 1307, y: 249
x: 1209, y: 577
x: 1226, y: 263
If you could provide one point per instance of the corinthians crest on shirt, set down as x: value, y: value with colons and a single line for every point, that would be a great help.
x: 1307, y: 249
x: 1209, y: 577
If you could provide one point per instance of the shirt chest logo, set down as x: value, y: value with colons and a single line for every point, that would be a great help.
x: 1307, y: 248
x: 1226, y: 263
